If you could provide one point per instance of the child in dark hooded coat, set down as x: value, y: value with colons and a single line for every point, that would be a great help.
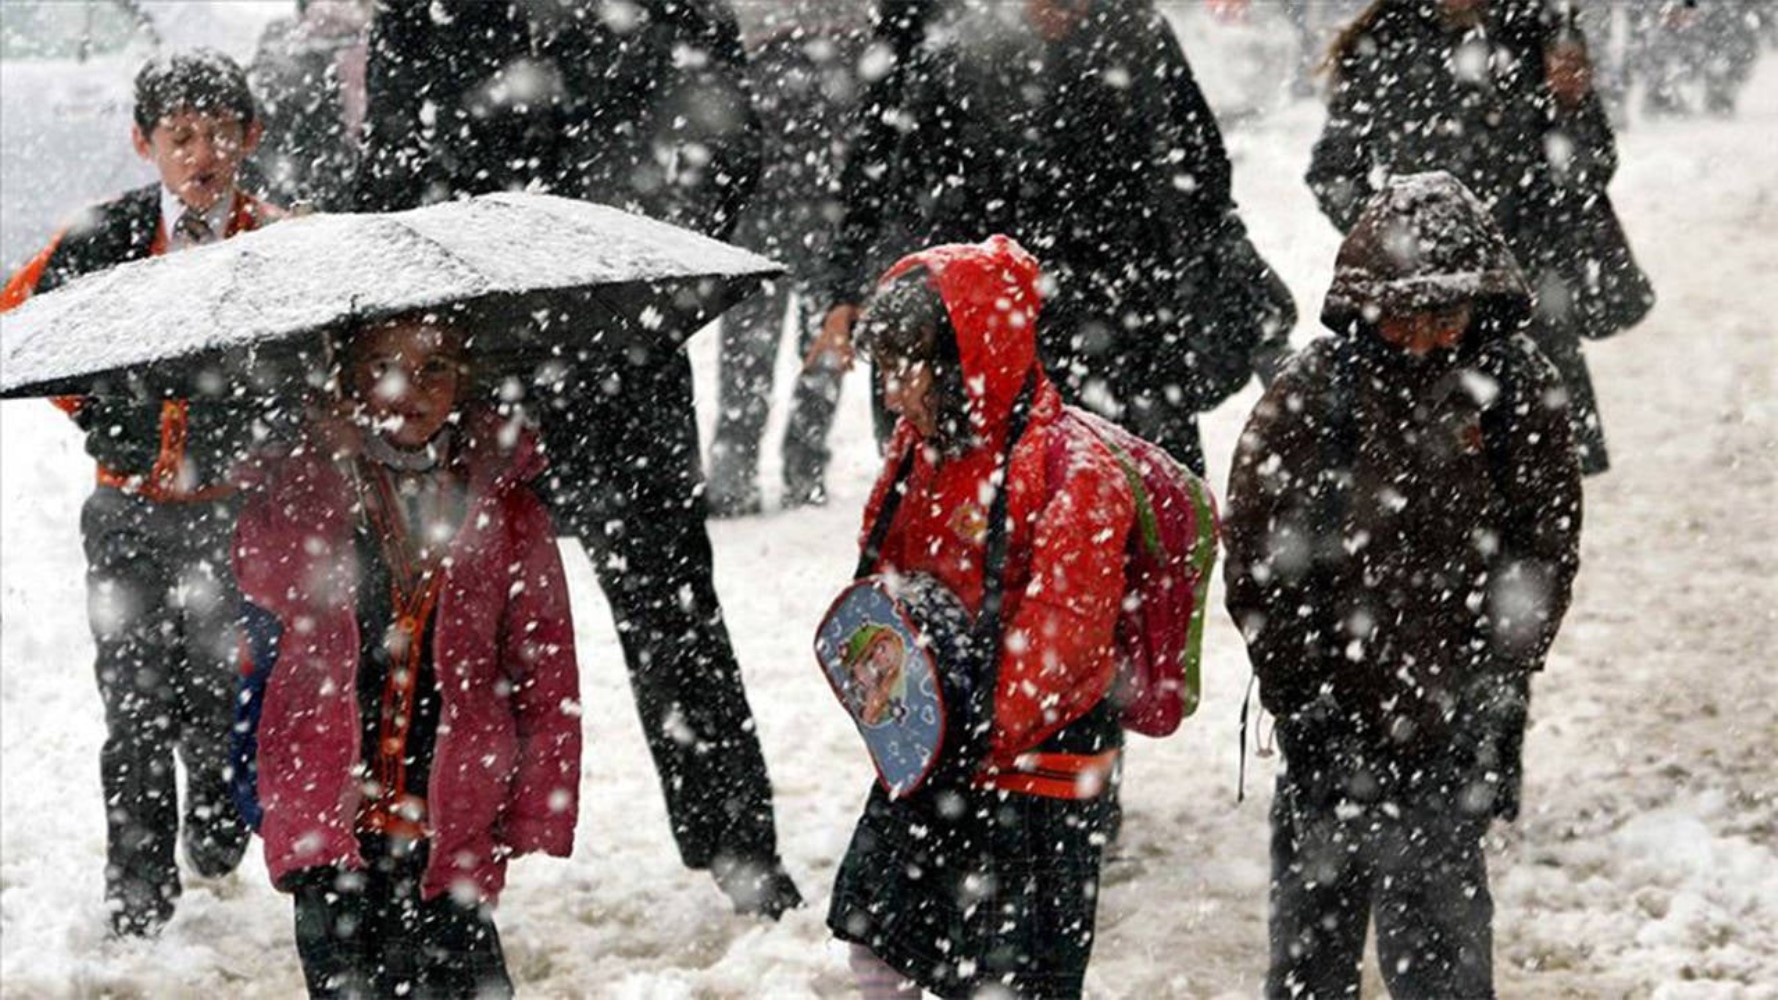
x: 1403, y: 530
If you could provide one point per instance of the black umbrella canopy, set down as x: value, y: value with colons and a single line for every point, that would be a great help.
x: 540, y: 282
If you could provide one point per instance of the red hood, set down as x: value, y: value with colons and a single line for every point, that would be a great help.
x: 990, y: 292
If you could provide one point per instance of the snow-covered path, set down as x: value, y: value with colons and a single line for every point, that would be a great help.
x: 1646, y: 864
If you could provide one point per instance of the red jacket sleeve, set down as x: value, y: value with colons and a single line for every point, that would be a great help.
x: 1057, y: 660
x: 537, y: 650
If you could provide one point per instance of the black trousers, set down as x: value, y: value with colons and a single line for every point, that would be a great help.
x: 162, y: 605
x: 750, y: 335
x: 1419, y: 873
x: 625, y: 479
x: 370, y: 934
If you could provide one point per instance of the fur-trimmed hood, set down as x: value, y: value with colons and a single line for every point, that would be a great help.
x: 1425, y: 243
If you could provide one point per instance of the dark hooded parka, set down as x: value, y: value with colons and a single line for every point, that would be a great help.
x: 642, y: 105
x: 1402, y: 536
x: 1096, y: 149
x: 1416, y: 88
x: 1403, y: 533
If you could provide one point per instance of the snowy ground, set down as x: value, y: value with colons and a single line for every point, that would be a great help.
x: 1645, y: 865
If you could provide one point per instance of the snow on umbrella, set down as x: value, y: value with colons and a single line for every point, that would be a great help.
x: 542, y: 281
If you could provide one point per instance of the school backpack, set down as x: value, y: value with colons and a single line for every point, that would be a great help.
x: 1169, y: 555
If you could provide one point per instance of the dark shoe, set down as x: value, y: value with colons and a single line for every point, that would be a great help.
x: 215, y: 838
x: 757, y: 889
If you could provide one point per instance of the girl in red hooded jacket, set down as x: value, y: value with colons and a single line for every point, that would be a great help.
x: 988, y: 877
x: 413, y: 703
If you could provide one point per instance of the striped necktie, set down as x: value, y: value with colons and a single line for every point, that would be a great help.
x: 194, y: 228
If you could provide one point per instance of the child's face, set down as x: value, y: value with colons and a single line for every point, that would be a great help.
x: 407, y: 374
x: 1422, y: 333
x: 198, y: 153
x: 907, y: 391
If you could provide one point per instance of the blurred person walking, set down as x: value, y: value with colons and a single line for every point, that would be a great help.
x: 161, y: 600
x: 308, y: 75
x: 1485, y: 89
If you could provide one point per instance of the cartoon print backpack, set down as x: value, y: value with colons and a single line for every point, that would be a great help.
x: 1171, y: 551
x: 898, y: 653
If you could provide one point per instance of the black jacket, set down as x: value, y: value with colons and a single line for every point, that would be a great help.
x: 650, y: 115
x: 125, y: 434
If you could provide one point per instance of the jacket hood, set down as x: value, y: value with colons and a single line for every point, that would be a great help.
x: 498, y: 451
x: 990, y: 294
x: 1425, y: 243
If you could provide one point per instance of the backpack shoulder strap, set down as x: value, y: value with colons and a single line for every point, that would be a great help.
x: 879, y: 529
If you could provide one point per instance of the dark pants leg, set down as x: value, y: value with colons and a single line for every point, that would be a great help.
x: 749, y: 352
x: 1434, y: 914
x: 370, y: 934
x: 812, y: 406
x: 1419, y: 871
x: 162, y: 610
x: 209, y: 604
x: 748, y: 349
x: 625, y: 480
x: 1320, y: 900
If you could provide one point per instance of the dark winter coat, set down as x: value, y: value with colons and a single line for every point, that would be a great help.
x: 962, y: 884
x: 166, y: 451
x: 1402, y: 537
x: 650, y: 115
x: 1413, y: 94
x: 1099, y: 153
x: 505, y: 775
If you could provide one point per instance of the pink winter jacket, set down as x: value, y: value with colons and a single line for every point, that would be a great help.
x: 505, y: 775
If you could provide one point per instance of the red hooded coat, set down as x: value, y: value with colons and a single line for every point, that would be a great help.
x: 505, y: 775
x: 1064, y: 574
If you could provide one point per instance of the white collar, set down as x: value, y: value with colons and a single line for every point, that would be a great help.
x: 217, y: 217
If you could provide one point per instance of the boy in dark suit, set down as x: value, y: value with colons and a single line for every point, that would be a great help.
x: 161, y: 601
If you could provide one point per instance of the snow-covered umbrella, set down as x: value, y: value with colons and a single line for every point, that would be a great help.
x: 540, y: 281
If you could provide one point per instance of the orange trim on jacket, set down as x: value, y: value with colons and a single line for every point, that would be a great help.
x: 1055, y: 775
x: 168, y: 481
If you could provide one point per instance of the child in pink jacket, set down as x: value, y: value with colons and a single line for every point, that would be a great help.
x: 411, y: 717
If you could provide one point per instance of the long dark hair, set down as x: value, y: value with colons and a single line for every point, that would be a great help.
x: 906, y: 322
x: 1345, y: 44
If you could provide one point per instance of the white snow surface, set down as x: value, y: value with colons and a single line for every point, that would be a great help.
x: 1644, y: 865
x: 306, y: 273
